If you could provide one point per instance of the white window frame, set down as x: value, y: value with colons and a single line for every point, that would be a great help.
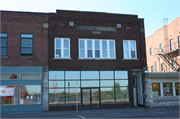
x: 100, y: 48
x: 62, y: 47
x: 129, y: 49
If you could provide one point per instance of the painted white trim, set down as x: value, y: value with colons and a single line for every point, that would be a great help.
x: 62, y: 47
x: 129, y: 49
x: 100, y: 48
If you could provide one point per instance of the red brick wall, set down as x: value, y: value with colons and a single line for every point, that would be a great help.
x: 15, y: 23
x: 59, y: 27
x: 172, y: 32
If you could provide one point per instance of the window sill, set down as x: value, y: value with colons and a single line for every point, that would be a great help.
x: 62, y: 58
x: 4, y: 56
x: 130, y: 59
x: 26, y: 57
x: 94, y: 59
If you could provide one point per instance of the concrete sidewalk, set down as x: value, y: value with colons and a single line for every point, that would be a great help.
x: 88, y: 112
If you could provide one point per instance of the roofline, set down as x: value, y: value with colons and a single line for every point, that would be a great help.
x: 23, y: 12
x: 94, y: 12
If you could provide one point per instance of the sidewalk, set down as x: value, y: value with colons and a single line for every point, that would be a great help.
x: 88, y: 112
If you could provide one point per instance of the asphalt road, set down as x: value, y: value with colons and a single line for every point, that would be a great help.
x: 151, y: 114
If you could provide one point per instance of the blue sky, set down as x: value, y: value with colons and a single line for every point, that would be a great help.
x: 153, y: 11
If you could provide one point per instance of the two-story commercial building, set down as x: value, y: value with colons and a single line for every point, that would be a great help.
x: 52, y: 61
x: 100, y: 56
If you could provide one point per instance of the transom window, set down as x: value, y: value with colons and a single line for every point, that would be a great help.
x: 3, y: 37
x: 62, y: 48
x: 26, y: 44
x: 97, y: 48
x: 129, y: 47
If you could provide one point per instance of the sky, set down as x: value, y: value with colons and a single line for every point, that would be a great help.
x: 153, y: 11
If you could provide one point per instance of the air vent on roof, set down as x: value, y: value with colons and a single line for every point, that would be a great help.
x: 118, y: 25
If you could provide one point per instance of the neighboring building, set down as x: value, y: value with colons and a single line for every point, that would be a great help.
x: 24, y: 62
x: 104, y: 52
x: 162, y: 89
x: 46, y: 57
x: 162, y: 48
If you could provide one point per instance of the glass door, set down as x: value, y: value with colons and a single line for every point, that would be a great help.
x: 86, y: 99
x: 90, y: 98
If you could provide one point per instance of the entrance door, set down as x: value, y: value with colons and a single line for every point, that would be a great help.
x: 90, y: 98
x: 135, y: 90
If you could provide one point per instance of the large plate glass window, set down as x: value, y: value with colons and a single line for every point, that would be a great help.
x: 97, y: 48
x: 29, y: 94
x: 156, y: 89
x: 167, y: 89
x: 129, y: 47
x: 3, y: 37
x: 62, y: 48
x: 8, y: 95
x: 177, y: 88
x: 26, y: 44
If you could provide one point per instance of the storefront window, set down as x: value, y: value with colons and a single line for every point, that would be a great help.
x: 6, y: 76
x: 156, y: 89
x: 53, y: 84
x: 94, y: 83
x: 30, y: 76
x: 30, y: 94
x: 107, y: 95
x: 72, y: 75
x: 71, y: 95
x: 121, y: 75
x: 177, y: 88
x: 122, y: 94
x: 56, y: 75
x: 8, y: 95
x: 121, y: 82
x: 57, y: 96
x: 167, y: 89
x: 89, y: 74
x: 106, y: 75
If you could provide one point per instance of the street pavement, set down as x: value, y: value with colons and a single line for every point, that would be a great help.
x: 133, y: 112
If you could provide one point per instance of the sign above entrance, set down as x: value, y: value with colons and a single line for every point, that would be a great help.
x: 96, y: 28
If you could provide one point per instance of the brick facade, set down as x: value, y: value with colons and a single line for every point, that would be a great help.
x: 163, y: 35
x: 132, y: 28
x: 15, y: 23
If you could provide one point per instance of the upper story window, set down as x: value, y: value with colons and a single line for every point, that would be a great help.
x: 152, y: 69
x: 162, y: 67
x: 62, y: 48
x: 26, y: 44
x: 171, y: 45
x: 179, y: 41
x: 161, y: 46
x: 129, y: 47
x: 3, y: 37
x: 94, y: 48
x: 151, y: 52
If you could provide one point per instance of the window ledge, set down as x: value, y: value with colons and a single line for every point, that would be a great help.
x: 94, y: 59
x: 130, y: 59
x: 62, y: 58
x: 26, y: 57
x: 4, y: 56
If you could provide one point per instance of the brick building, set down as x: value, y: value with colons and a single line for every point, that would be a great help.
x: 24, y: 61
x: 162, y: 48
x: 100, y: 57
x: 103, y: 52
